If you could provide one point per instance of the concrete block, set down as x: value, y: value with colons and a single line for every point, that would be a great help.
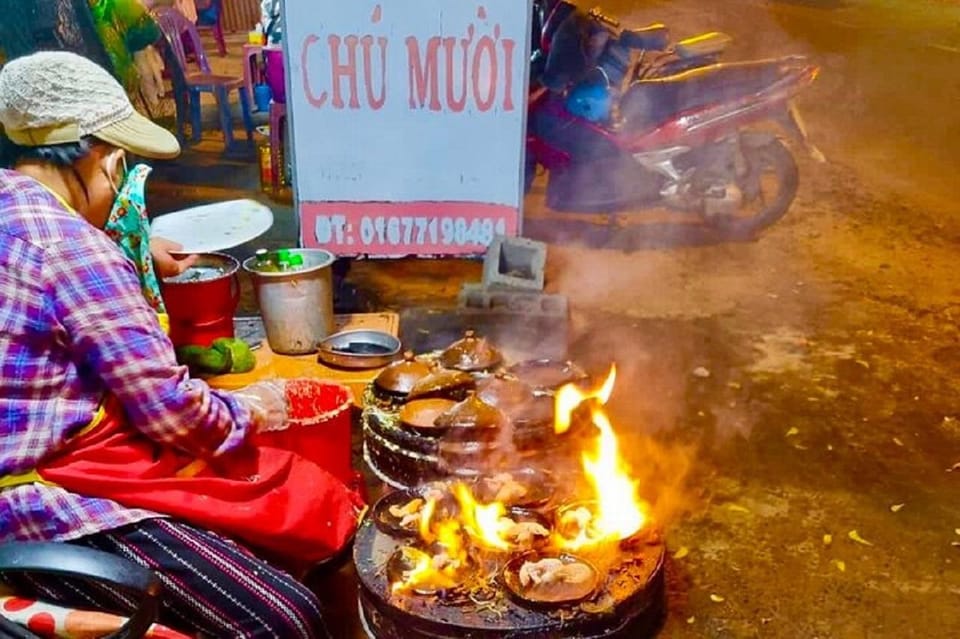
x: 478, y: 297
x: 514, y: 263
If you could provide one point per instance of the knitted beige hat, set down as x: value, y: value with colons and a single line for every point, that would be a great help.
x: 57, y: 97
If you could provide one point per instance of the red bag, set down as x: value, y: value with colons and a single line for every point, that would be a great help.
x: 269, y: 498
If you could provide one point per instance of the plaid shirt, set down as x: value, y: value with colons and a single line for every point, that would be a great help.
x: 73, y: 325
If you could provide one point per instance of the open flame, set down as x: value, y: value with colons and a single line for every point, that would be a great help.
x: 615, y: 511
x: 620, y: 513
x: 571, y: 396
x: 420, y: 574
x: 440, y: 570
x: 483, y: 522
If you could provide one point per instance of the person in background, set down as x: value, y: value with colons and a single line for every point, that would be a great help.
x: 81, y: 351
x: 128, y: 34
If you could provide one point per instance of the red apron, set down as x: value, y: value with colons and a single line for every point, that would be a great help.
x: 269, y: 498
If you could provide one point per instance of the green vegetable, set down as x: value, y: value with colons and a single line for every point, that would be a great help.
x: 205, y: 360
x: 242, y: 358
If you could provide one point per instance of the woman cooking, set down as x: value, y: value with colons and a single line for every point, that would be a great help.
x: 104, y: 440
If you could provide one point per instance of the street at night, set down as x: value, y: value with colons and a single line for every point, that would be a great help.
x: 785, y: 418
x: 812, y: 372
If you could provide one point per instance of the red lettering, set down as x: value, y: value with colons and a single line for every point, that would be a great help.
x: 454, y: 104
x: 348, y: 70
x: 508, y: 47
x: 314, y: 100
x: 485, y: 45
x: 422, y: 74
x: 376, y: 103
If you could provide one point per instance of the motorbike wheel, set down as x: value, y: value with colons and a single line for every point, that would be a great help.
x: 769, y: 167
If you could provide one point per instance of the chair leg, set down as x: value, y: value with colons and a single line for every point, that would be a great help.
x: 245, y: 113
x: 226, y: 120
x: 218, y: 36
x: 183, y: 114
x: 196, y: 116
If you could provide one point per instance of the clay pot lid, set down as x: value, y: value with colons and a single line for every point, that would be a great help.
x: 440, y: 382
x: 471, y: 354
x: 472, y: 412
x: 537, y: 410
x: 400, y: 377
x: 548, y: 374
x: 420, y: 415
x: 504, y: 392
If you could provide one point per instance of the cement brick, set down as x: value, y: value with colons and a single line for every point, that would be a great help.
x: 477, y: 297
x: 514, y: 263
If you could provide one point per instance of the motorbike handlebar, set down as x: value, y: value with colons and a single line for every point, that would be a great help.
x: 599, y: 16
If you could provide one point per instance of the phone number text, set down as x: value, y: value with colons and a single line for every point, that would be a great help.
x: 400, y: 230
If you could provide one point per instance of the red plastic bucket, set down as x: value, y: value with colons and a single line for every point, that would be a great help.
x: 202, y: 301
x: 319, y: 419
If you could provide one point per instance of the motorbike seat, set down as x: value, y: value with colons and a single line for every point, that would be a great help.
x: 651, y: 102
x: 655, y: 37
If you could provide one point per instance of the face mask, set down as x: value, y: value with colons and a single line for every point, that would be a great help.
x: 129, y: 226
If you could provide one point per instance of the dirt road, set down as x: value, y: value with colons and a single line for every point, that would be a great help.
x: 802, y: 385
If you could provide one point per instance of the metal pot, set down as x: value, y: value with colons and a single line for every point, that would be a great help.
x: 296, y: 305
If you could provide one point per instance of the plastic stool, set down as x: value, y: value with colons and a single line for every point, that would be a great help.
x: 250, y: 77
x: 278, y: 121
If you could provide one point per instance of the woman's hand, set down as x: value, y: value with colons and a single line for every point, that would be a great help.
x: 165, y: 264
x: 267, y: 400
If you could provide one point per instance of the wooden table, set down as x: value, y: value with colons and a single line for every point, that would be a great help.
x: 271, y: 365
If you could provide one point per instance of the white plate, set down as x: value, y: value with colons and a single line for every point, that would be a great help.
x: 213, y: 227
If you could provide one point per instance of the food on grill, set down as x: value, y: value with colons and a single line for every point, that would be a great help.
x: 576, y: 520
x: 522, y: 533
x: 552, y: 578
x: 503, y: 488
x: 444, y: 562
x: 409, y: 513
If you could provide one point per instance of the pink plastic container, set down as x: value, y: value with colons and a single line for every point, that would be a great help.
x: 320, y: 415
x: 276, y: 76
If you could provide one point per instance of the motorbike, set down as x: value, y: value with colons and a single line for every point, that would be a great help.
x: 621, y: 118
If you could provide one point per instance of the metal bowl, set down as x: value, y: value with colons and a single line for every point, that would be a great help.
x: 359, y: 349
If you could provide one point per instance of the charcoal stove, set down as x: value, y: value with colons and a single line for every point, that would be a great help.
x: 402, y: 459
x: 528, y: 547
x: 629, y: 604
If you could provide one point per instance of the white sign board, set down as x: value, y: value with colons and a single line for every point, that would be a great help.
x: 407, y: 121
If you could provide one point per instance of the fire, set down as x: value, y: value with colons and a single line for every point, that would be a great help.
x: 422, y: 574
x: 426, y: 518
x: 483, y: 522
x: 569, y: 397
x: 613, y: 513
x: 620, y: 513
x: 440, y: 570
